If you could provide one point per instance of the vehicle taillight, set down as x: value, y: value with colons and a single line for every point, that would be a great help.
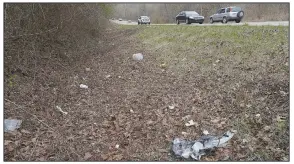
x: 230, y: 9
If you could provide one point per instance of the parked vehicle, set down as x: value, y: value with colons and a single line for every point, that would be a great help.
x: 144, y: 20
x: 119, y: 19
x: 228, y: 14
x: 189, y: 17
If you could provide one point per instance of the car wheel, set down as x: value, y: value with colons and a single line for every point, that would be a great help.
x: 178, y: 22
x: 149, y: 23
x: 225, y: 20
x: 187, y: 21
x: 138, y: 23
x: 200, y: 22
x: 211, y: 20
x: 240, y: 14
x: 237, y: 21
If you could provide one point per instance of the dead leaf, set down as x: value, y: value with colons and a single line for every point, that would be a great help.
x: 150, y: 122
x: 118, y: 157
x: 34, y: 139
x: 25, y: 131
x: 7, y: 142
x: 267, y: 128
x: 104, y: 157
x: 215, y: 120
x: 87, y: 156
x: 10, y: 147
x: 41, y: 159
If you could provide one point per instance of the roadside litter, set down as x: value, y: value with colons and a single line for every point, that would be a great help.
x: 11, y: 124
x: 83, y: 86
x: 60, y: 110
x: 198, y: 148
x: 138, y: 56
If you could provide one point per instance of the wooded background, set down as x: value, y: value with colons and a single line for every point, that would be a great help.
x: 166, y: 13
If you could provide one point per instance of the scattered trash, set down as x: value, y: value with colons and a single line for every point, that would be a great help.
x: 184, y: 133
x: 257, y: 115
x: 108, y: 76
x: 119, y: 77
x: 163, y: 65
x: 217, y: 61
x: 198, y: 148
x: 60, y: 110
x: 117, y: 146
x: 138, y: 56
x: 131, y: 110
x: 11, y: 124
x: 83, y: 86
x: 88, y: 69
x: 171, y: 107
x: 191, y: 123
x: 205, y: 132
x: 244, y: 141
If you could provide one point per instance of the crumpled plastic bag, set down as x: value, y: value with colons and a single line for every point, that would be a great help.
x: 138, y: 56
x: 198, y: 148
x: 11, y: 124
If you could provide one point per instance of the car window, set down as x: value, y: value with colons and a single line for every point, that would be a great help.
x: 223, y: 11
x: 236, y: 9
x: 228, y: 10
x: 218, y: 11
x: 192, y: 13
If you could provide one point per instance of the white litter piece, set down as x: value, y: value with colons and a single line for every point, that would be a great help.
x: 83, y: 86
x: 138, y: 56
x: 205, y: 132
x: 60, y: 110
x: 184, y: 133
x: 131, y: 110
x: 198, y: 148
x: 171, y: 107
x: 117, y: 146
x: 88, y: 69
x: 108, y: 76
x: 190, y: 123
x: 11, y: 124
x: 257, y: 115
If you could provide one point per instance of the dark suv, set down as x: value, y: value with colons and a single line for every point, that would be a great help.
x: 189, y: 17
x: 228, y: 14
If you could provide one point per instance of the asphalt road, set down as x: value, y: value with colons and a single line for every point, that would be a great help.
x: 271, y: 23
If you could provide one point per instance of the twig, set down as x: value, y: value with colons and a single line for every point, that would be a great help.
x: 42, y: 11
x: 21, y: 107
x: 34, y: 148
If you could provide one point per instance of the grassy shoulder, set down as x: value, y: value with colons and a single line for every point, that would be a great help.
x: 242, y: 73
